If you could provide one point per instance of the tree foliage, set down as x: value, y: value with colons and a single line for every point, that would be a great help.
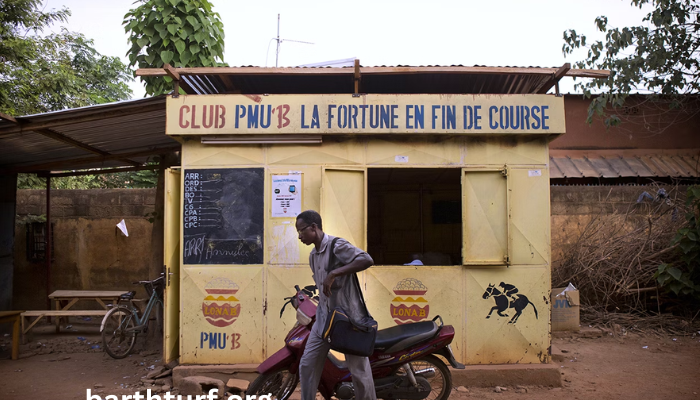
x: 684, y: 278
x: 41, y: 73
x: 182, y: 33
x: 658, y: 57
x: 126, y: 180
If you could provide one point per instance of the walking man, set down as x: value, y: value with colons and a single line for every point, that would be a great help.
x: 335, y: 290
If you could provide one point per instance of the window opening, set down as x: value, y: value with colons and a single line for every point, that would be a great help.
x: 36, y: 241
x: 414, y: 213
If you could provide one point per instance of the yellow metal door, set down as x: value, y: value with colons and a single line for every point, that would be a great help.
x: 528, y: 206
x: 343, y: 204
x: 485, y: 217
x: 171, y: 257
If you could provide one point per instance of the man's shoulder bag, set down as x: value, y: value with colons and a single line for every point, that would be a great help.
x: 343, y: 334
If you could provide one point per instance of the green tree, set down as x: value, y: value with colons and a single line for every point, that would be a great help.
x: 658, y: 57
x: 125, y: 180
x: 182, y: 33
x: 41, y: 73
x: 683, y: 277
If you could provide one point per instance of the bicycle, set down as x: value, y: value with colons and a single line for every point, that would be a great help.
x: 122, y: 323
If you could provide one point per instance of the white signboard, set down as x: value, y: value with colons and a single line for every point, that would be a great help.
x: 286, y: 195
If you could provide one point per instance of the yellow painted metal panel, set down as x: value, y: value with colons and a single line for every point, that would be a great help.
x: 398, y: 295
x: 496, y: 340
x: 283, y: 245
x: 222, y: 315
x: 343, y: 204
x: 200, y: 155
x: 448, y: 151
x: 328, y: 153
x: 365, y: 114
x: 507, y: 150
x: 171, y: 257
x: 280, y: 284
x: 485, y: 217
x: 529, y: 215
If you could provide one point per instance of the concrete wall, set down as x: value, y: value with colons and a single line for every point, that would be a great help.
x: 89, y: 251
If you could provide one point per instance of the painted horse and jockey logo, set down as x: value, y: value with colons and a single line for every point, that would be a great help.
x: 508, y: 298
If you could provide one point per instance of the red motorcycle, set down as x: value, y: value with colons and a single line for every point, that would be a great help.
x: 404, y: 365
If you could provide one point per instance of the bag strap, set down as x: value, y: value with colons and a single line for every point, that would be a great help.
x: 362, y: 297
x: 332, y: 260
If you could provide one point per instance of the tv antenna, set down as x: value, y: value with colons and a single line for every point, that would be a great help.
x: 279, y: 42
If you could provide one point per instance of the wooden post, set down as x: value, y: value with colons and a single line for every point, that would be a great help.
x: 47, y: 241
x: 357, y: 76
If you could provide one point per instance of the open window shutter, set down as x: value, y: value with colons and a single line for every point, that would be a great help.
x: 344, y: 204
x: 529, y: 227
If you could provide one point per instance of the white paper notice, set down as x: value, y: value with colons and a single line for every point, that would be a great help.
x: 534, y: 172
x: 401, y: 159
x: 286, y: 195
x: 122, y: 227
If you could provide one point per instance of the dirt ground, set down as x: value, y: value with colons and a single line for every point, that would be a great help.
x: 65, y: 365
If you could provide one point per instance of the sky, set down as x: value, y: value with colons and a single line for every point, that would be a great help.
x: 379, y: 32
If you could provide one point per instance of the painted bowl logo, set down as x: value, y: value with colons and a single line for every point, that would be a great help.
x: 409, y: 305
x: 220, y: 307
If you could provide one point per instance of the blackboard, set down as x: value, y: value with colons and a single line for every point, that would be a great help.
x: 223, y: 216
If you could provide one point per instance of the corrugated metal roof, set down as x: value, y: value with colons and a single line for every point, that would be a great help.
x: 126, y: 133
x: 452, y: 79
x: 625, y: 166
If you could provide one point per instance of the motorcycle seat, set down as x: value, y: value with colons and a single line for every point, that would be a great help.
x: 400, y: 337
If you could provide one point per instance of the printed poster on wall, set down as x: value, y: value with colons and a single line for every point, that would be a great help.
x: 286, y: 195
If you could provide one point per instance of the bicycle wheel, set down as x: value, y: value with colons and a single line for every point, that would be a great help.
x: 436, y: 373
x: 116, y: 340
x: 280, y: 384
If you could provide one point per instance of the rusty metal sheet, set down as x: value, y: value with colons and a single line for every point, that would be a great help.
x: 568, y: 168
x: 619, y: 165
x: 120, y: 127
x: 664, y: 168
x: 640, y: 168
x: 615, y: 166
x: 584, y: 167
x: 690, y: 162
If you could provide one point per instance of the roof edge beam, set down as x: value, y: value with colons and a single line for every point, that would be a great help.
x: 358, y: 76
x: 170, y: 71
x: 100, y: 171
x: 8, y: 118
x: 87, y: 160
x: 554, y: 80
x: 580, y: 73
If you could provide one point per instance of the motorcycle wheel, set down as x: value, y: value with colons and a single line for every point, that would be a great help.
x: 279, y: 384
x: 440, y: 384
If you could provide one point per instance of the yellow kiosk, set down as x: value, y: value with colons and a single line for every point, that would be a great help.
x: 455, y: 185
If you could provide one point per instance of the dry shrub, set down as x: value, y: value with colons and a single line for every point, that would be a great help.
x: 613, y: 261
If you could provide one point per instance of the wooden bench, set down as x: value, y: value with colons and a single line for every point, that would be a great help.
x: 39, y: 314
x: 14, y: 317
